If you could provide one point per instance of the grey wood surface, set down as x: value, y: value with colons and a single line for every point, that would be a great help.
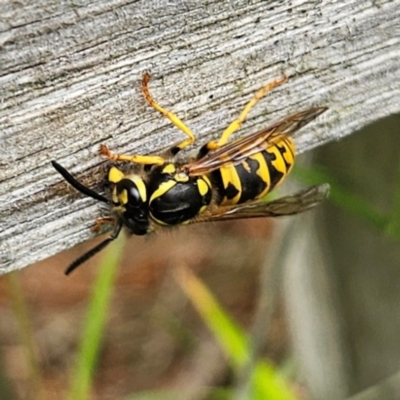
x: 70, y: 80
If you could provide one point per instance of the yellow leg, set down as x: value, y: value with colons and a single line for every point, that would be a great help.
x: 235, y: 125
x: 172, y: 117
x: 147, y: 160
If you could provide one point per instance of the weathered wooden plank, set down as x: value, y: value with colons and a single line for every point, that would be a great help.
x: 70, y: 73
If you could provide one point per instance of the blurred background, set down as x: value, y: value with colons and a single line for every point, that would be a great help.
x: 306, y: 307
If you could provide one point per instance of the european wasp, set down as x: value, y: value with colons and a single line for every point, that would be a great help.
x: 226, y: 180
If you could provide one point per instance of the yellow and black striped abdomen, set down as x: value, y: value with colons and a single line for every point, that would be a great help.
x: 257, y: 175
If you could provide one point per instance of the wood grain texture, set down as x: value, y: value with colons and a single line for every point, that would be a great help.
x: 70, y: 74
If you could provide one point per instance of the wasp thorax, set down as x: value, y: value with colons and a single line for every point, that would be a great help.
x: 175, y: 197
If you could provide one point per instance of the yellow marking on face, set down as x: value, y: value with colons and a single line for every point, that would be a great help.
x: 203, y: 187
x: 169, y: 169
x: 115, y: 175
x: 140, y: 186
x: 123, y: 197
x: 162, y: 189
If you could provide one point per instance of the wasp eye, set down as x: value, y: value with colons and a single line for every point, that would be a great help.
x: 133, y: 195
x: 129, y: 192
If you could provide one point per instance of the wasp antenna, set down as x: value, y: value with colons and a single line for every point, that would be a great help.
x: 77, y: 185
x: 90, y: 253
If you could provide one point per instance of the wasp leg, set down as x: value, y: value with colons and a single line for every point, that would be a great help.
x: 168, y: 114
x: 146, y: 160
x: 235, y: 125
x: 100, y: 222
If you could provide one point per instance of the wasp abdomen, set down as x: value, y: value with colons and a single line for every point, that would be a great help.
x: 257, y: 175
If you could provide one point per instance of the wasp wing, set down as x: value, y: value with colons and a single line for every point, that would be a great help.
x: 288, y: 205
x: 237, y: 151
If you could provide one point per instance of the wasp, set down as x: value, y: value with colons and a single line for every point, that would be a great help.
x: 226, y: 179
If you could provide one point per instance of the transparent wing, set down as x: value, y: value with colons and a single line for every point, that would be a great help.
x: 237, y: 151
x: 288, y: 205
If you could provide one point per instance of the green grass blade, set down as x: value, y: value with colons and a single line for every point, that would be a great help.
x: 229, y: 334
x: 266, y: 382
x: 95, y: 322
